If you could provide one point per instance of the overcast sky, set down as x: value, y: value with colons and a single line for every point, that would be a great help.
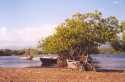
x: 24, y: 22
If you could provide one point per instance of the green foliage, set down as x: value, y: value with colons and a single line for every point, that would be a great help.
x: 123, y: 25
x: 81, y: 34
x: 119, y: 44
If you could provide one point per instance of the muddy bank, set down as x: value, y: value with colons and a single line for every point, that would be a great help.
x: 57, y: 75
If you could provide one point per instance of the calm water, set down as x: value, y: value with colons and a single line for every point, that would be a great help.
x: 109, y: 62
x: 16, y: 62
x: 104, y: 61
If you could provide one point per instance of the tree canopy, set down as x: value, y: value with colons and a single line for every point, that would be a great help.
x: 119, y: 42
x: 81, y: 34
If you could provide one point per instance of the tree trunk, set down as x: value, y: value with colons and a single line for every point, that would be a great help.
x: 61, y: 61
x: 86, y: 63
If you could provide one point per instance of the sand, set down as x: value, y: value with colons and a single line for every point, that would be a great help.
x: 57, y: 75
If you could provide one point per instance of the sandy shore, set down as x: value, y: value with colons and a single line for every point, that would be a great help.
x: 57, y: 75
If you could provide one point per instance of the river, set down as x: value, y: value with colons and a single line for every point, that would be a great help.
x: 109, y: 61
x: 103, y: 61
x: 17, y: 62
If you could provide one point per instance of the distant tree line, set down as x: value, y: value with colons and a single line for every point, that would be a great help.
x: 8, y: 52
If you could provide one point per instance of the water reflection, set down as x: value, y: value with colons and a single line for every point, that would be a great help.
x: 103, y: 61
x: 108, y: 61
x: 16, y: 62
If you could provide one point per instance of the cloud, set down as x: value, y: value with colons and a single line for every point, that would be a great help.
x: 25, y: 37
x: 116, y: 2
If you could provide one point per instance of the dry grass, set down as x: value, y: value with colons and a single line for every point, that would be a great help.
x: 57, y: 75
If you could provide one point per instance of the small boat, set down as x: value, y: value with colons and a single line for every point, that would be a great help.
x: 36, y: 58
x: 46, y: 62
x: 26, y: 57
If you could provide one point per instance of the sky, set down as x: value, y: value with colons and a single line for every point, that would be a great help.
x: 24, y: 22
